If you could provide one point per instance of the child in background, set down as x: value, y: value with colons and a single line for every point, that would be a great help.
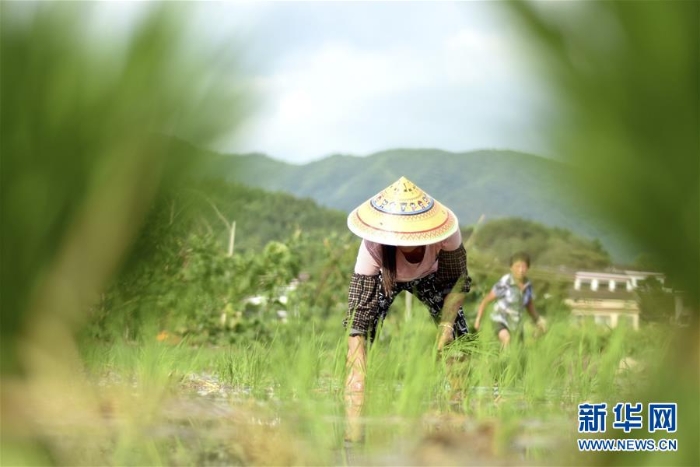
x: 513, y: 294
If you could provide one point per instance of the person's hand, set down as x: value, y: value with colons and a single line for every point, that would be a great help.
x: 541, y: 324
x: 445, y: 335
x: 477, y: 323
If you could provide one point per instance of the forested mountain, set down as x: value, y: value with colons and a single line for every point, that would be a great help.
x: 212, y: 206
x: 498, y: 239
x: 494, y: 183
x: 183, y: 268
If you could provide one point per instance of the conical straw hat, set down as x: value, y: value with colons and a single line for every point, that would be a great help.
x: 403, y: 215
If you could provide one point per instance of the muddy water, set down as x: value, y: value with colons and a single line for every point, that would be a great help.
x: 203, y: 421
x: 436, y: 439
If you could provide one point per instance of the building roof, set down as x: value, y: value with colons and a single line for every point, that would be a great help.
x: 601, y: 275
x: 617, y: 275
x: 602, y: 294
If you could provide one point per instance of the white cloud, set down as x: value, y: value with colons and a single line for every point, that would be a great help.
x: 318, y: 95
x: 474, y: 57
x: 339, y: 74
x: 421, y: 77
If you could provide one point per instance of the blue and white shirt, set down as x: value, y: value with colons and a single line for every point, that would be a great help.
x: 510, y: 301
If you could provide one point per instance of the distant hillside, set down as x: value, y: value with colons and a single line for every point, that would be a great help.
x: 494, y: 183
x: 261, y: 216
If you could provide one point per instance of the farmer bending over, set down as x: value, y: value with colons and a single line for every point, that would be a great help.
x: 410, y: 242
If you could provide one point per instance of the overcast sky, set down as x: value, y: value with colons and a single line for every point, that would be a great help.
x: 361, y: 77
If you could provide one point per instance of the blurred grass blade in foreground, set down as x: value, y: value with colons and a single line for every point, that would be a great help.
x: 626, y: 75
x: 87, y: 120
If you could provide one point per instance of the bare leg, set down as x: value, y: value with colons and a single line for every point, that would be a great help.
x: 504, y: 337
x: 355, y: 386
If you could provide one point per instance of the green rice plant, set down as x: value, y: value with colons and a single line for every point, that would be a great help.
x: 309, y: 385
x: 247, y: 367
x: 546, y: 364
x: 296, y: 382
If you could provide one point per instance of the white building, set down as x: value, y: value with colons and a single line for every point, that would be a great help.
x: 607, y: 298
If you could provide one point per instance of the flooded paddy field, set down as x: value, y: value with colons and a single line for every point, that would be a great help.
x: 203, y: 421
x: 283, y: 404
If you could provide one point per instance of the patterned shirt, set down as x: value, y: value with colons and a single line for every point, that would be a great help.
x: 369, y: 259
x: 510, y: 301
x: 433, y: 279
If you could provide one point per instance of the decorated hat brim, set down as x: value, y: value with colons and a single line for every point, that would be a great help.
x: 402, y: 214
x: 424, y: 228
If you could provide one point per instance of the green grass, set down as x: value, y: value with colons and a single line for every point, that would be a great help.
x: 281, y: 402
